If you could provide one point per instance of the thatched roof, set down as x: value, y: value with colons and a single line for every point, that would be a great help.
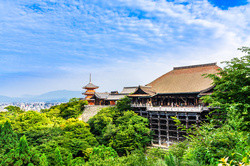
x: 187, y: 79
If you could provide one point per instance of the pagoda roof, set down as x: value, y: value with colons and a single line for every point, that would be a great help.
x: 90, y: 86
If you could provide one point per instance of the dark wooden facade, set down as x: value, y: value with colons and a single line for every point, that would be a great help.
x: 163, y: 125
x: 175, y: 94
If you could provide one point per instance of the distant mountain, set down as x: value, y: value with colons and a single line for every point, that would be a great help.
x: 5, y: 99
x: 53, y: 96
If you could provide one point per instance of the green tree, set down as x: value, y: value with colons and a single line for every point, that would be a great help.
x: 21, y: 156
x: 232, y: 91
x: 58, y: 157
x: 69, y: 159
x: 8, y: 139
x: 30, y: 120
x: 77, y: 137
x: 132, y: 127
x: 103, y: 152
x: 78, y: 161
x: 122, y: 129
x: 13, y: 109
x: 124, y: 104
x: 43, y: 160
x: 72, y: 109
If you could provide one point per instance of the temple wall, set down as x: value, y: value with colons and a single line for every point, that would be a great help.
x: 90, y: 111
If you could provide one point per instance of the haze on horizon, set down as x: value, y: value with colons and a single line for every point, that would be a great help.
x: 49, y: 45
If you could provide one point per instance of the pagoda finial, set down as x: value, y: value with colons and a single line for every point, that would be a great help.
x: 90, y: 78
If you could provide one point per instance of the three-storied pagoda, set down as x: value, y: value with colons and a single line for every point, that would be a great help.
x: 90, y: 91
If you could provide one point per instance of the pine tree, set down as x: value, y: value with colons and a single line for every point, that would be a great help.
x: 58, y: 157
x: 21, y: 156
x: 8, y: 138
x: 69, y: 159
x: 43, y: 160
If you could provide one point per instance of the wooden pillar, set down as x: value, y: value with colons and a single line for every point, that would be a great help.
x: 147, y: 114
x: 167, y: 125
x: 177, y: 128
x: 197, y: 119
x: 159, y: 128
x: 186, y: 120
x: 150, y: 124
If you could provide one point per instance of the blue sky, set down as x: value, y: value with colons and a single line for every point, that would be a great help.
x: 50, y: 45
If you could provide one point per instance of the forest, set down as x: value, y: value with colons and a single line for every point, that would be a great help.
x: 117, y: 136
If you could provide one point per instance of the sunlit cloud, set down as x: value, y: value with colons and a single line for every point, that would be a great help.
x: 50, y: 45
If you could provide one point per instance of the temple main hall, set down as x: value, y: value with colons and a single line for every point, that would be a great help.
x: 178, y: 93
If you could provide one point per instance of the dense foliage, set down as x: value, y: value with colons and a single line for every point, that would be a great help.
x: 45, y: 133
x: 52, y: 138
x: 21, y: 155
x: 8, y: 139
x: 232, y: 91
x: 72, y: 109
x: 120, y: 129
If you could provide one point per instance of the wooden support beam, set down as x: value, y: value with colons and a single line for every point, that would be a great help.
x: 186, y: 114
x: 177, y: 130
x: 197, y: 118
x: 159, y: 128
x: 150, y: 124
x: 167, y: 125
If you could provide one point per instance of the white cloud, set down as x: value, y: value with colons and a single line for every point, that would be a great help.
x: 123, y: 42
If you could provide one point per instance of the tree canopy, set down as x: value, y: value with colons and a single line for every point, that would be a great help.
x: 232, y: 91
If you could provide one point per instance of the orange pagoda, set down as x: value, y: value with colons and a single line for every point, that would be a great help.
x: 90, y: 91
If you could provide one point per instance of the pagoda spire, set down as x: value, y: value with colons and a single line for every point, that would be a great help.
x: 90, y: 91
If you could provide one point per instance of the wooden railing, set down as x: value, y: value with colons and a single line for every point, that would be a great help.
x: 169, y: 108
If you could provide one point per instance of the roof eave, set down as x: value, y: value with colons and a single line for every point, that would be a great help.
x: 175, y: 93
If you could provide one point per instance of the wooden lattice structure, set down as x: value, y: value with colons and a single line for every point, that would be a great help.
x: 163, y: 126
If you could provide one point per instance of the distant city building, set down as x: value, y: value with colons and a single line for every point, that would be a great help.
x: 36, y: 106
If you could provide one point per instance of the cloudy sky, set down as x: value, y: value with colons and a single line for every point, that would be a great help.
x: 48, y: 45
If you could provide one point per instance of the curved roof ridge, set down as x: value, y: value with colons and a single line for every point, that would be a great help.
x: 192, y: 66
